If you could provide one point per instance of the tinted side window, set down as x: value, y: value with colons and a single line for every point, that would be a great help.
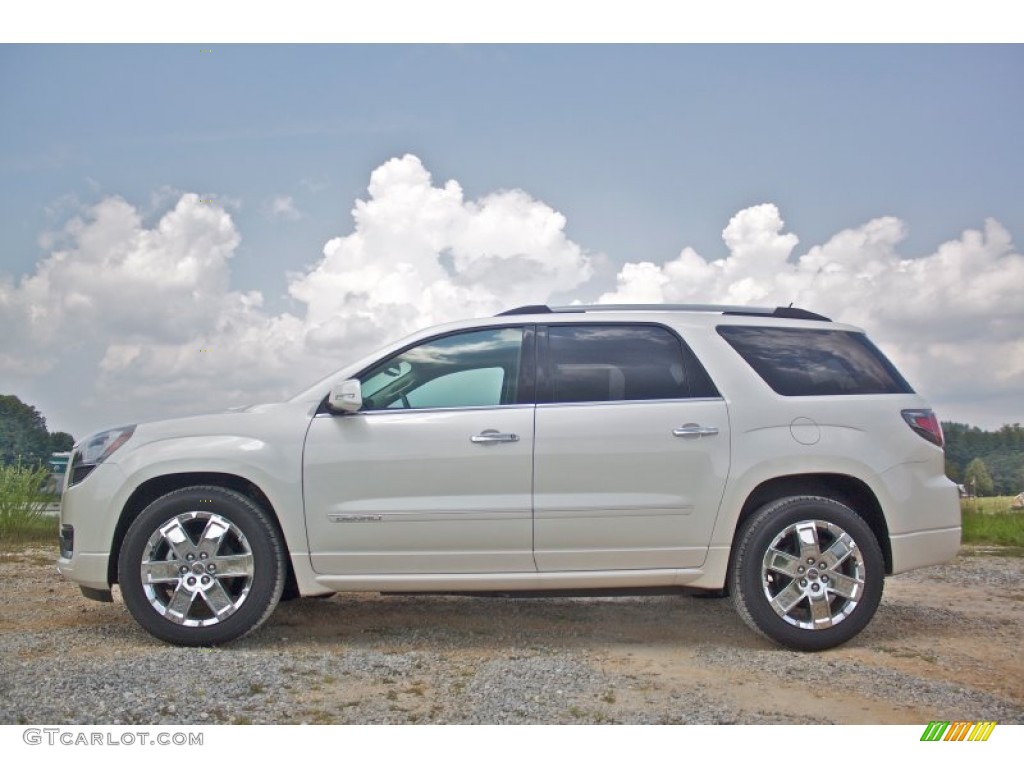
x: 596, y: 363
x: 799, y: 361
x: 478, y: 368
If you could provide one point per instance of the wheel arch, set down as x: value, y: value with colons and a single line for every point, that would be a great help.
x: 851, y: 491
x: 155, y: 487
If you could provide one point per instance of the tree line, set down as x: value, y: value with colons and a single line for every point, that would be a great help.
x: 987, y: 463
x: 24, y: 437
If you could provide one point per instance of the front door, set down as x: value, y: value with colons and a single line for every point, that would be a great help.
x: 434, y: 474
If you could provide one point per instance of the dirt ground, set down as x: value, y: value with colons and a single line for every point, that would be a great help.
x: 946, y: 644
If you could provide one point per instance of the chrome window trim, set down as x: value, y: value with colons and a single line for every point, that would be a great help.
x: 578, y: 404
x: 514, y: 406
x: 447, y: 409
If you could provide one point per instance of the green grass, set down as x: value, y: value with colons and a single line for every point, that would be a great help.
x: 989, y: 505
x: 992, y: 521
x: 22, y: 501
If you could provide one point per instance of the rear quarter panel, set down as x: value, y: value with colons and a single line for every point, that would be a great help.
x: 862, y: 436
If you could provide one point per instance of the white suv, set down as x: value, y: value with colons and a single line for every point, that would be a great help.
x: 769, y: 454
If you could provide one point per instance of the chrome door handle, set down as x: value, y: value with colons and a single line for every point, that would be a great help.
x: 694, y: 430
x: 494, y: 436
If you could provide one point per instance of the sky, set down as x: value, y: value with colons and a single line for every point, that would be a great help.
x: 193, y: 226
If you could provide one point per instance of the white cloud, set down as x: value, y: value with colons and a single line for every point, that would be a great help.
x: 421, y: 254
x: 176, y: 337
x: 283, y: 206
x: 951, y: 321
x: 112, y: 279
x: 118, y: 279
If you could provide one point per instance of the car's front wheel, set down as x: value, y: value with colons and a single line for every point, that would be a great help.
x: 808, y: 572
x: 201, y: 566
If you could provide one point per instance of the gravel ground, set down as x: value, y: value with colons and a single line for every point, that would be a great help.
x: 945, y: 644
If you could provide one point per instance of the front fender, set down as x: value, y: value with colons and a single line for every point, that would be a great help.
x: 275, y: 467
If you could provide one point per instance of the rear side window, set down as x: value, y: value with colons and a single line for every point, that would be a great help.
x: 808, y: 361
x: 601, y: 363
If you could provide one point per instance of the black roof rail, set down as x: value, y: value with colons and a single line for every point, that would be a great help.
x: 790, y: 313
x: 723, y: 308
x: 529, y: 309
x: 795, y: 313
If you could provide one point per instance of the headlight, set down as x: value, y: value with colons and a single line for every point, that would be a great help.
x: 95, y: 450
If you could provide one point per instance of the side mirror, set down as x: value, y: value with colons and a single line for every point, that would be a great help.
x: 346, y: 397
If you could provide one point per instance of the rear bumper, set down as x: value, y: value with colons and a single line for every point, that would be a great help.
x: 923, y: 548
x: 923, y: 513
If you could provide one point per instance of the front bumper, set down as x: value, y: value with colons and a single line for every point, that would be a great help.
x: 91, y: 510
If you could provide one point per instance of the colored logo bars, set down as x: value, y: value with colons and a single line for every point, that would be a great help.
x: 959, y: 730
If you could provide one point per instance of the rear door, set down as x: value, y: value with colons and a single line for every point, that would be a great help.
x: 631, y: 450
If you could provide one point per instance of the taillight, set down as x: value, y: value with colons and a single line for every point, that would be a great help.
x: 926, y: 424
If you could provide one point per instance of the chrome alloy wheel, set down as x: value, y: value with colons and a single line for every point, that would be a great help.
x: 813, y: 574
x: 197, y: 569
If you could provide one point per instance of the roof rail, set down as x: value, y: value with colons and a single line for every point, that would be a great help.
x: 529, y: 309
x: 790, y: 312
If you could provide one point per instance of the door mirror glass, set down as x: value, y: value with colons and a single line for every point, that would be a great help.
x: 346, y: 397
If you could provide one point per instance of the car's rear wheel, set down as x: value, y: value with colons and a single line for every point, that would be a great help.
x: 201, y: 566
x: 808, y: 573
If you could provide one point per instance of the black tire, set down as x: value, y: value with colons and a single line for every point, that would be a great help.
x: 809, y: 596
x: 201, y: 566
